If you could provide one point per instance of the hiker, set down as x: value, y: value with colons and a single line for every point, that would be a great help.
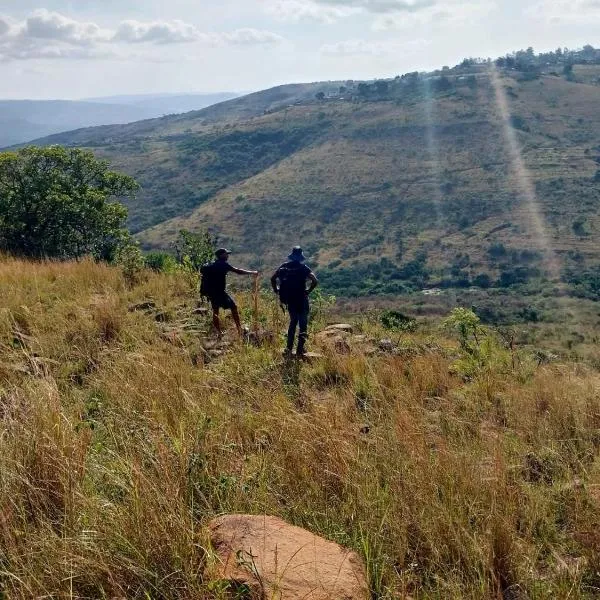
x: 292, y: 277
x: 213, y: 287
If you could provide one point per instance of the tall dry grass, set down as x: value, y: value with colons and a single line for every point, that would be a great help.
x: 119, y: 440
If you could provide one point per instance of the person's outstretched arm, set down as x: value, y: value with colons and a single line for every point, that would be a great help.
x: 243, y: 271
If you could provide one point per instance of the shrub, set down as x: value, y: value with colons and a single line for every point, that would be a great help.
x: 161, y: 262
x: 394, y: 320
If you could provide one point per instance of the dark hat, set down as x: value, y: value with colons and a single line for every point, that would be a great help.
x: 297, y: 254
x: 222, y: 252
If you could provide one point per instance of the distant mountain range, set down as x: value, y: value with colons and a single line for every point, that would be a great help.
x: 25, y: 120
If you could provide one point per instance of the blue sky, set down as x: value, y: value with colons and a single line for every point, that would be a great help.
x: 79, y: 48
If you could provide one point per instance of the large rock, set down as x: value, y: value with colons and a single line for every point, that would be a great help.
x: 345, y: 327
x: 276, y: 560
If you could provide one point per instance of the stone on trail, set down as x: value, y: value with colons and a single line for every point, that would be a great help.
x: 278, y: 560
x: 340, y: 327
x: 386, y: 345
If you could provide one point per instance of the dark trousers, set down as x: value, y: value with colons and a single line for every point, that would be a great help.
x: 298, y: 317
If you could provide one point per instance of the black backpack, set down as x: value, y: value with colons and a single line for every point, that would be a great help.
x: 208, y: 281
x: 292, y: 283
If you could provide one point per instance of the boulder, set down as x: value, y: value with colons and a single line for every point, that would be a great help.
x: 386, y: 345
x: 340, y: 327
x: 276, y: 560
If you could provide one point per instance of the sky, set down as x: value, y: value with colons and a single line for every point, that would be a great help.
x: 85, y: 48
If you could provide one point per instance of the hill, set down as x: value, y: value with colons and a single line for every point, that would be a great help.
x: 480, y: 175
x: 455, y: 468
x: 157, y: 105
x: 24, y: 120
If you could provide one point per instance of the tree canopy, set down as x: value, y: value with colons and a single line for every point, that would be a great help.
x: 60, y: 203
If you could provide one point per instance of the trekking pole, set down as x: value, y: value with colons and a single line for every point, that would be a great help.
x: 255, y: 319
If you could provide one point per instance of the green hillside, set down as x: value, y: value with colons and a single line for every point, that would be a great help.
x: 392, y: 186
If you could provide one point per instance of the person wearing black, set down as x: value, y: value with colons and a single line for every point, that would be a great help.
x: 215, y: 276
x: 289, y: 282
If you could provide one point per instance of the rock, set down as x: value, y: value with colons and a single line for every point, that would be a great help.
x: 340, y: 327
x: 341, y: 346
x: 148, y: 305
x: 329, y: 334
x: 386, y: 345
x: 276, y: 560
x: 259, y: 338
x: 335, y: 342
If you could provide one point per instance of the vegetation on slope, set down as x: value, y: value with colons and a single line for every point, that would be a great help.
x: 393, y: 186
x: 455, y: 467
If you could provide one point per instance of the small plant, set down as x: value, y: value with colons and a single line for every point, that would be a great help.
x: 160, y: 262
x: 394, y: 320
x: 131, y: 260
x: 467, y: 324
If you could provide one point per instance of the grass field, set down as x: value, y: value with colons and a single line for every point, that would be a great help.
x: 456, y: 471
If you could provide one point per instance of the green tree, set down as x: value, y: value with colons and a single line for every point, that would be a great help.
x: 382, y: 86
x: 320, y: 96
x: 61, y: 203
x: 195, y: 249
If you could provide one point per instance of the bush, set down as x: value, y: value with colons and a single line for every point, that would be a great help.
x: 394, y: 320
x: 161, y: 262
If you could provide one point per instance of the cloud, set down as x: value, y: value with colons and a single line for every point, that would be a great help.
x: 157, y: 32
x: 445, y: 12
x: 250, y: 37
x: 4, y: 26
x: 45, y: 34
x: 307, y: 10
x: 359, y: 47
x: 382, y: 6
x: 46, y: 25
x: 579, y: 12
x: 389, y: 14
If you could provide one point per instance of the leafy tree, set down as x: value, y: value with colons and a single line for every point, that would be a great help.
x: 320, y: 96
x: 382, y: 87
x: 363, y: 89
x: 58, y: 202
x: 195, y: 249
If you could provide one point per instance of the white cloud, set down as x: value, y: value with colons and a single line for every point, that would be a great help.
x: 389, y: 14
x: 45, y: 34
x: 382, y: 6
x: 46, y: 25
x: 4, y: 26
x: 566, y: 11
x: 373, y: 48
x: 446, y: 12
x: 251, y: 37
x: 307, y: 10
x: 158, y: 32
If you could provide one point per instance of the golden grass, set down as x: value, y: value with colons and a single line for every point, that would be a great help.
x: 117, y: 445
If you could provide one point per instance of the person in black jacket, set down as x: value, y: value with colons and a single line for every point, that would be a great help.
x: 217, y: 293
x: 289, y: 282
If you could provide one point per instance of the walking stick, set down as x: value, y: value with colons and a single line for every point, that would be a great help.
x: 255, y: 316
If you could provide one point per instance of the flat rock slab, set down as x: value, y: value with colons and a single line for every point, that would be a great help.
x: 278, y: 561
x: 340, y: 327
